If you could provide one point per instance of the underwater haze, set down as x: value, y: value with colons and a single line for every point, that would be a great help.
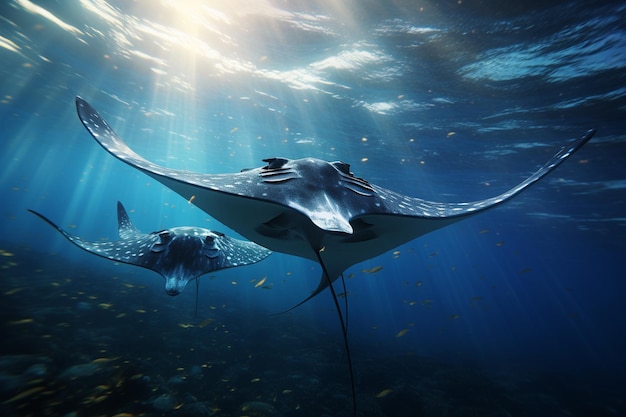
x: 517, y: 312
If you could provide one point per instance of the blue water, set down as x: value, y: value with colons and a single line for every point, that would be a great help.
x: 514, y: 312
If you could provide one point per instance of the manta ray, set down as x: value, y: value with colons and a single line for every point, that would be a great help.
x: 179, y: 254
x: 311, y: 208
x: 308, y: 207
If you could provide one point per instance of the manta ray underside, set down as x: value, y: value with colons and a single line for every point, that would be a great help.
x: 311, y: 208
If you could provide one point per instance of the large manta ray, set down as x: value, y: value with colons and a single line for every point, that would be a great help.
x: 311, y: 208
x: 179, y: 254
x: 308, y: 207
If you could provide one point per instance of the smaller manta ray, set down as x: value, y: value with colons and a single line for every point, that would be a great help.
x: 179, y: 254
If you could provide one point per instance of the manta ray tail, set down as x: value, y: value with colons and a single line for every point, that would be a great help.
x: 344, y: 329
x: 125, y: 227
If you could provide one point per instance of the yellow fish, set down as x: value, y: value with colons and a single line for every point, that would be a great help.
x: 206, y: 322
x: 23, y: 321
x: 24, y: 394
x: 372, y: 270
x: 258, y: 284
x: 402, y: 332
x: 384, y: 393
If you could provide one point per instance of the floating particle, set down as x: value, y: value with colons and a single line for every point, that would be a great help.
x: 500, y: 243
x: 419, y: 283
x: 454, y: 316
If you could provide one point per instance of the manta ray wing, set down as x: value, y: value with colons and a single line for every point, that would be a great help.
x: 120, y: 251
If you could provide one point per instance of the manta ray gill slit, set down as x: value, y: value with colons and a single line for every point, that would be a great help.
x: 344, y: 329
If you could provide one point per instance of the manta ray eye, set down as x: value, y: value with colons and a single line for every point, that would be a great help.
x: 210, y: 249
x: 275, y: 163
x: 165, y: 236
x: 342, y: 167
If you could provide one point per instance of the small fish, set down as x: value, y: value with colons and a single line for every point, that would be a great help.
x: 343, y: 294
x: 384, y: 393
x: 419, y: 283
x: 185, y: 325
x: 258, y: 284
x: 24, y: 394
x: 372, y: 270
x: 525, y: 271
x: 482, y: 232
x: 140, y: 311
x: 104, y: 360
x: 255, y: 379
x: 105, y: 306
x: 402, y: 332
x: 426, y: 302
x: 500, y: 243
x: 190, y: 201
x: 23, y: 321
x: 13, y: 291
x: 234, y: 129
x: 206, y: 322
x: 454, y: 316
x: 286, y: 391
